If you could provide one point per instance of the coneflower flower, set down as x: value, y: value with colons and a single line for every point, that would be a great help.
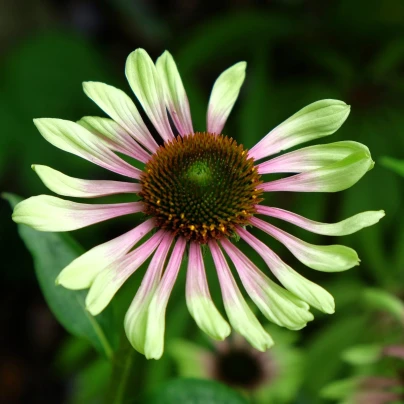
x: 266, y: 377
x: 195, y: 189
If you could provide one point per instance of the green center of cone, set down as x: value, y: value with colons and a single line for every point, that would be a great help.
x: 200, y: 174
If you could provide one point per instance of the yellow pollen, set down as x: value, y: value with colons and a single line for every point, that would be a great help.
x: 254, y: 196
x: 222, y: 228
x: 192, y: 227
x: 170, y: 217
x: 158, y: 202
x: 182, y: 216
x: 212, y: 227
x: 244, y: 212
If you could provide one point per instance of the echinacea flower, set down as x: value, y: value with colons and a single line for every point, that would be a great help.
x: 197, y: 188
x: 274, y: 376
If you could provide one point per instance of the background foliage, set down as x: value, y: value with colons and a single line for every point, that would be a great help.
x: 297, y: 52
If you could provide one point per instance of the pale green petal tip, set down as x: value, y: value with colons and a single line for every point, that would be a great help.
x: 94, y: 307
x: 93, y: 310
x: 263, y: 345
x: 138, y: 53
x: 16, y: 216
x: 88, y: 84
x: 241, y: 65
x: 67, y: 282
x: 166, y: 54
x: 208, y: 318
x: 155, y: 352
x: 327, y: 304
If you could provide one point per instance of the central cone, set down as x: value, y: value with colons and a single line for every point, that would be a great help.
x: 200, y: 186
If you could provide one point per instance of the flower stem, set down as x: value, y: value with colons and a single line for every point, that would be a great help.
x: 121, y: 373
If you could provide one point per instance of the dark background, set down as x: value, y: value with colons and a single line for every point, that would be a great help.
x: 297, y: 52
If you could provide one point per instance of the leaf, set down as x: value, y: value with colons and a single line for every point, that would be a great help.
x: 379, y: 299
x: 51, y: 253
x: 393, y: 164
x: 329, y: 343
x: 195, y: 391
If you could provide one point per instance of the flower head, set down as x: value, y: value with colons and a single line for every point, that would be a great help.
x: 272, y: 376
x: 197, y: 189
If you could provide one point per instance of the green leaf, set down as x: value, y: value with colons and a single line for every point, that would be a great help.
x: 51, y: 253
x: 195, y: 391
x: 329, y: 343
x: 363, y: 354
x: 379, y: 299
x: 393, y: 164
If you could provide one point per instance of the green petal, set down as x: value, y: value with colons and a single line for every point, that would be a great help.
x: 68, y: 186
x: 116, y: 137
x: 208, y: 317
x: 224, y: 95
x: 311, y: 158
x: 342, y: 228
x: 331, y: 178
x: 242, y: 319
x: 121, y: 109
x: 48, y: 213
x: 306, y: 290
x: 176, y: 98
x: 145, y: 83
x: 73, y: 138
x: 319, y: 119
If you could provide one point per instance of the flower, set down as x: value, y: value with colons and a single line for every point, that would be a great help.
x: 197, y: 189
x: 266, y: 377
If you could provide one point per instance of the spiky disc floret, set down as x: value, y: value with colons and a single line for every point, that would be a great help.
x: 200, y: 186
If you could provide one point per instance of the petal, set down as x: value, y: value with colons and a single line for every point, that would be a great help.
x: 75, y: 187
x: 240, y: 315
x: 301, y: 287
x: 224, y: 95
x: 277, y: 304
x: 122, y: 110
x: 199, y: 300
x: 311, y: 158
x: 319, y: 119
x: 154, y: 341
x: 332, y: 178
x: 81, y: 272
x: 73, y: 138
x: 175, y: 95
x: 329, y: 258
x: 343, y: 228
x: 136, y: 316
x: 111, y: 278
x: 145, y: 83
x: 115, y: 136
x: 48, y: 213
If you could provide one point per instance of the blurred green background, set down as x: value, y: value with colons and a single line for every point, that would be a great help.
x: 297, y: 52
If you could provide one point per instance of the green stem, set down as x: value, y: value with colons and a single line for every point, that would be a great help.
x: 123, y: 381
x: 121, y: 374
